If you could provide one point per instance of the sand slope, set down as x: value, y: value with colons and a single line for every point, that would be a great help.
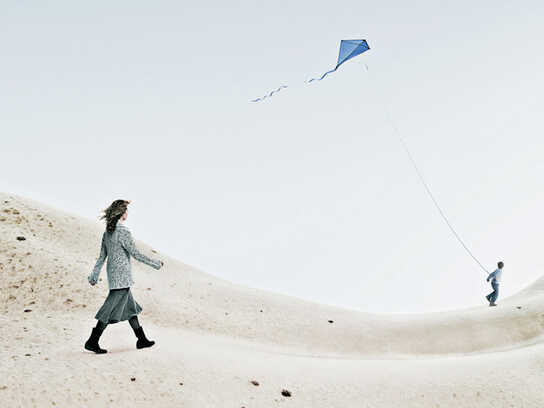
x: 214, y: 337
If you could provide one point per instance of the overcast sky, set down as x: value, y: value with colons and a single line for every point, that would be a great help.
x: 308, y: 193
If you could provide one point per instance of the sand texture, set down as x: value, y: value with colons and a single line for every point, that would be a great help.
x: 214, y: 338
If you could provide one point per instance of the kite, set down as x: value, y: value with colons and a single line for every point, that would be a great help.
x: 348, y: 50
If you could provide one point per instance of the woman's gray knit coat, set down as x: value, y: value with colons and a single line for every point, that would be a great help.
x: 118, y: 246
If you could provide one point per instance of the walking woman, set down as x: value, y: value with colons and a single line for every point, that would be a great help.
x: 118, y: 246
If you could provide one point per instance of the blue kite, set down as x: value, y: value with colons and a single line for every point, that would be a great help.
x: 348, y: 50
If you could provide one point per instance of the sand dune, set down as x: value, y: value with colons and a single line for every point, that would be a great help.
x: 215, y: 337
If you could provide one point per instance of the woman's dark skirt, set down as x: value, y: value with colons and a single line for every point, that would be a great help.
x: 118, y: 306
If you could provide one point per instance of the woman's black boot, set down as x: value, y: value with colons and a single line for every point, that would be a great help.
x: 142, y: 340
x: 92, y: 343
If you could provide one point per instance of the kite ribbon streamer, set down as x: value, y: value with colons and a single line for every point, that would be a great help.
x: 269, y: 94
x: 323, y: 76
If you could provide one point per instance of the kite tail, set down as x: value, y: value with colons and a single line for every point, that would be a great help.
x: 324, y: 75
x: 269, y: 94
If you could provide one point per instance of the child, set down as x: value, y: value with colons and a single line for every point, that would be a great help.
x: 495, y: 278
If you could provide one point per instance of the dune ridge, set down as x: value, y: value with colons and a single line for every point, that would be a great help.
x: 46, y: 255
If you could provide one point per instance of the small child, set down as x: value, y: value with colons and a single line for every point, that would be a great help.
x: 495, y: 278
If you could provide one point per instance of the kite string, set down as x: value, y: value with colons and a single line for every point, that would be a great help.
x: 429, y: 192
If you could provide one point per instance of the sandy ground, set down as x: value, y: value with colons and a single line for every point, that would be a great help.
x: 213, y: 338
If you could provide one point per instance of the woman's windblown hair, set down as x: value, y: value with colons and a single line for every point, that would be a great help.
x: 113, y: 213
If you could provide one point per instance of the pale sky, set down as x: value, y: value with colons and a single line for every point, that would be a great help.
x: 308, y: 193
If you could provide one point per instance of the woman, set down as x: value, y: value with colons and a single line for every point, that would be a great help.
x: 118, y: 246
